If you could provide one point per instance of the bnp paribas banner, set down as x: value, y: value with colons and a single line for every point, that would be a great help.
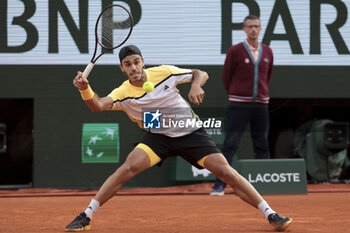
x: 100, y: 143
x: 300, y: 32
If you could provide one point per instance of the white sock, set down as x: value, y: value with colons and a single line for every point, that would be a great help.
x: 265, y: 209
x: 93, y: 207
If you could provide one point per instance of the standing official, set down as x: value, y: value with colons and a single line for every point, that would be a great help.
x: 246, y: 77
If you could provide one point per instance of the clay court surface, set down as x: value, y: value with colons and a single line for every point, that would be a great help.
x: 189, y: 209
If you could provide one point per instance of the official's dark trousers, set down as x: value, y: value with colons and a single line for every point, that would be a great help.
x: 238, y: 117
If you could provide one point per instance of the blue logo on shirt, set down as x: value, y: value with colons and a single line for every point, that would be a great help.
x: 151, y: 119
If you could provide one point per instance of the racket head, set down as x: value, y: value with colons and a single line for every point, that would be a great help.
x: 113, y: 26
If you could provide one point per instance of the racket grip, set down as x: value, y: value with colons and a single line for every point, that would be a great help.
x: 88, y: 69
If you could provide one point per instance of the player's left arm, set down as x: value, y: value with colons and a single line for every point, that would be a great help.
x: 196, y: 94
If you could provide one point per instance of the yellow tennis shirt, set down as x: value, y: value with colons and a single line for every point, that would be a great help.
x: 165, y: 98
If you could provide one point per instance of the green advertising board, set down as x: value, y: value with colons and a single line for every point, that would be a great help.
x: 275, y: 176
x: 100, y: 143
x: 268, y: 176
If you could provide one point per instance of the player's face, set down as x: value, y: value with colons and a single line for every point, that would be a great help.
x: 252, y: 28
x: 132, y: 66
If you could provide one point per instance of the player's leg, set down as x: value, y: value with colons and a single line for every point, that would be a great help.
x: 137, y: 161
x: 218, y: 165
x: 229, y: 148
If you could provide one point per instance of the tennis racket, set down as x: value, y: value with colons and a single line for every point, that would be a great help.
x: 113, y: 28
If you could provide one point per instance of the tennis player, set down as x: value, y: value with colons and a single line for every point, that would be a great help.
x: 191, y: 143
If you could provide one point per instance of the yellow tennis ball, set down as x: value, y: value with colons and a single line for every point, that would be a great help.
x: 148, y: 86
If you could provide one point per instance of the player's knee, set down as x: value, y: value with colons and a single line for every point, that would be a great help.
x: 222, y: 171
x: 229, y: 175
x: 129, y: 170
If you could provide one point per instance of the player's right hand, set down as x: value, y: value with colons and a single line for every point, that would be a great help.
x: 80, y: 82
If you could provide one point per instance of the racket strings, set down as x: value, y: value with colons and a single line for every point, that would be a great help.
x: 114, y: 27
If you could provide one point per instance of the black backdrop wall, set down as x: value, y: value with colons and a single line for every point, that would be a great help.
x: 58, y: 113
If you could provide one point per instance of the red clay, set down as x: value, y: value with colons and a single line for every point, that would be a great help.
x: 194, y: 189
x: 314, y: 212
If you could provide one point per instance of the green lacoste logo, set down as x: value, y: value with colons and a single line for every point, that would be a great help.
x: 100, y: 143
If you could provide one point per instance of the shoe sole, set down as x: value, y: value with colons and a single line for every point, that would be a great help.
x: 217, y: 194
x: 80, y: 229
x: 284, y: 226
